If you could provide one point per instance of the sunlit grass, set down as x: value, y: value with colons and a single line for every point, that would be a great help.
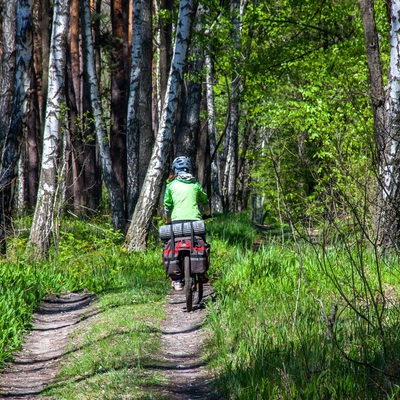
x: 111, y: 356
x: 288, y: 321
x: 320, y: 324
x: 87, y: 257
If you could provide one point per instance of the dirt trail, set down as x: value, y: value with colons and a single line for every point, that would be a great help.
x: 36, y: 365
x: 183, y: 339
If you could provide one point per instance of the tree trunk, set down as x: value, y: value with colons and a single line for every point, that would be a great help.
x: 7, y: 70
x: 243, y: 176
x: 187, y: 136
x: 19, y: 115
x: 43, y: 54
x: 114, y: 190
x: 389, y: 161
x: 43, y: 219
x: 31, y: 159
x: 375, y: 72
x: 139, y: 132
x: 41, y: 21
x: 119, y: 90
x: 146, y: 94
x: 231, y: 142
x: 216, y: 199
x: 165, y: 52
x: 139, y: 227
x: 75, y: 155
x: 386, y: 123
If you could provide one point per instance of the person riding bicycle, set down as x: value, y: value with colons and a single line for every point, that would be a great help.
x: 182, y: 198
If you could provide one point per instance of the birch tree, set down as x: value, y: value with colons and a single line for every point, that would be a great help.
x: 389, y: 165
x: 187, y: 135
x: 19, y: 114
x: 139, y: 133
x: 139, y: 227
x: 231, y: 142
x: 43, y: 219
x: 386, y: 111
x: 216, y: 198
x: 7, y: 71
x: 110, y: 180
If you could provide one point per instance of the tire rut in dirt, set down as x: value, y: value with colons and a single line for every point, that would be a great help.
x: 35, y: 366
x: 182, y: 345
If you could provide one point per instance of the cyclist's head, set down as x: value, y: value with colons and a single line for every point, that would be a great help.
x: 181, y: 165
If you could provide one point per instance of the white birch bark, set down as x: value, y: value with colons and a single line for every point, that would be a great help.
x: 21, y: 94
x: 232, y: 131
x: 7, y: 74
x: 22, y: 83
x: 139, y: 134
x: 139, y: 227
x: 216, y: 200
x: 110, y: 180
x: 157, y: 94
x: 389, y: 172
x: 7, y: 69
x: 392, y: 104
x: 47, y: 200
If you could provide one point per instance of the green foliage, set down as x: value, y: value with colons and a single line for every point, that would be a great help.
x: 19, y: 295
x: 110, y: 355
x: 89, y: 256
x: 306, y: 94
x: 276, y: 331
x: 233, y: 230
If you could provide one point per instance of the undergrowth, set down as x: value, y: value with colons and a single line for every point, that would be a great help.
x: 89, y: 256
x: 303, y: 322
x: 290, y: 320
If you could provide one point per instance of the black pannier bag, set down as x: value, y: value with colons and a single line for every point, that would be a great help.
x: 199, y: 256
x: 184, y: 228
x: 170, y: 261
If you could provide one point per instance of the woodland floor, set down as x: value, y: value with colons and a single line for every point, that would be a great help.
x: 36, y: 365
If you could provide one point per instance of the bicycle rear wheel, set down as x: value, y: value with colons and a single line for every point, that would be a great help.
x: 199, y: 291
x: 188, y: 284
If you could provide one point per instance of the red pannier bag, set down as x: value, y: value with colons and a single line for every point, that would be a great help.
x: 199, y: 256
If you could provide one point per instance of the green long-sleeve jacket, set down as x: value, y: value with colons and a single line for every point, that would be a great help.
x: 182, y: 198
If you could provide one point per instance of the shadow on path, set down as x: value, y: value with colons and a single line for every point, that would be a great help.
x: 35, y: 366
x: 181, y: 354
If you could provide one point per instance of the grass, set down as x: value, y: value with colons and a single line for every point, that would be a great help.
x: 320, y: 324
x: 89, y: 256
x: 275, y: 336
x: 109, y: 358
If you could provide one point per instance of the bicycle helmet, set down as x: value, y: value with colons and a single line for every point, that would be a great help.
x: 181, y: 164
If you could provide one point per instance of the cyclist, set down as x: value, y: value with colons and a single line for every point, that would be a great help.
x: 182, y: 198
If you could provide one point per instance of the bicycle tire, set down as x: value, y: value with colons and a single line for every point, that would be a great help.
x: 188, y: 284
x: 199, y: 291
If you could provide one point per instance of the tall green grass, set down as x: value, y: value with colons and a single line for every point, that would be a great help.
x: 112, y: 355
x: 322, y: 323
x: 288, y: 321
x: 88, y: 256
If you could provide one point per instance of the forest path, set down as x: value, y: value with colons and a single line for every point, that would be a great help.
x: 36, y: 365
x: 182, y: 344
x: 179, y: 360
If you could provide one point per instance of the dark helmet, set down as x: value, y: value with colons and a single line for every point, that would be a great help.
x: 181, y: 164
